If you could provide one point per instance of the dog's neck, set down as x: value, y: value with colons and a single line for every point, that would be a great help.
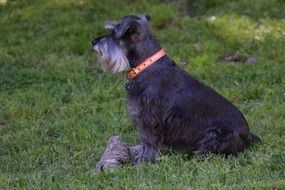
x: 133, y: 73
x: 144, y: 49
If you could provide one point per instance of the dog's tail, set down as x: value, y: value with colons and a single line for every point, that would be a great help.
x: 254, y: 139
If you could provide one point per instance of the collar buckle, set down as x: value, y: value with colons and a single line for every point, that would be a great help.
x: 131, y: 74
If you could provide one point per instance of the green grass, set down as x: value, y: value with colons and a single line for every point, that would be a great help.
x: 58, y: 109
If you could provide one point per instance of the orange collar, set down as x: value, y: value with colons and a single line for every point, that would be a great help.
x: 133, y: 73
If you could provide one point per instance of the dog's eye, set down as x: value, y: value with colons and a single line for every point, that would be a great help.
x: 130, y: 31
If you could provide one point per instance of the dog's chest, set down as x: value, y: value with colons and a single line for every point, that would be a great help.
x: 133, y: 107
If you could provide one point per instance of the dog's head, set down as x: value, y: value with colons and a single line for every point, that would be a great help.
x: 113, y: 49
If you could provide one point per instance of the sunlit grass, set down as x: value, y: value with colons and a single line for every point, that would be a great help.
x: 3, y: 2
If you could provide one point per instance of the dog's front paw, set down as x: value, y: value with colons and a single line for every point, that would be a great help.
x: 134, y: 152
x: 144, y: 157
x: 138, y: 159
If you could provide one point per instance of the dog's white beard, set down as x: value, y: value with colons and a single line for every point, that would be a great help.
x: 112, y: 59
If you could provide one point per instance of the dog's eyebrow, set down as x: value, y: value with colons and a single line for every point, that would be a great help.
x: 132, y: 16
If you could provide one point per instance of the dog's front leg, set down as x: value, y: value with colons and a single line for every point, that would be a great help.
x: 148, y: 149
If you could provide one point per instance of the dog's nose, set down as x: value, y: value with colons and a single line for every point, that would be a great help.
x: 95, y: 41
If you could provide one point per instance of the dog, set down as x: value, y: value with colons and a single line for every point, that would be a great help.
x: 168, y: 105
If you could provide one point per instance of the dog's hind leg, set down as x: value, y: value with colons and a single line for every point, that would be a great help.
x: 218, y: 142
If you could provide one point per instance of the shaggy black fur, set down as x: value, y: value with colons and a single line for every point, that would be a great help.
x: 172, y: 108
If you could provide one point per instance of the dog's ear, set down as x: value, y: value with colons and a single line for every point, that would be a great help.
x: 134, y: 27
x: 145, y: 17
x: 124, y: 27
x: 148, y: 18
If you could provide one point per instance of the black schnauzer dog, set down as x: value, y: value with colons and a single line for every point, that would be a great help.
x: 169, y: 106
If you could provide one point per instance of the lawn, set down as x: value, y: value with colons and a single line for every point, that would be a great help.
x: 58, y: 109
